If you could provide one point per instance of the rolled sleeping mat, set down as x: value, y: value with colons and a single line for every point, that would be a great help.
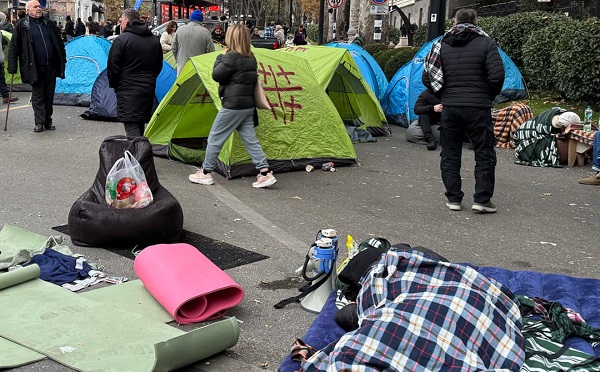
x: 186, y: 283
x: 19, y: 276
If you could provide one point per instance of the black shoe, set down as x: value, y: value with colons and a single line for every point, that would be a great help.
x: 38, y: 128
x: 49, y: 127
x: 431, y: 145
x: 12, y: 99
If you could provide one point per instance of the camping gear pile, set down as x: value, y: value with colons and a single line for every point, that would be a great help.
x: 133, y: 335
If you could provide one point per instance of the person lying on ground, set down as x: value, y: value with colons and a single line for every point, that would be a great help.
x: 535, y: 140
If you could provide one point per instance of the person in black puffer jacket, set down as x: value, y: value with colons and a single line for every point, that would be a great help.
x: 236, y: 72
x: 135, y: 60
x: 466, y: 72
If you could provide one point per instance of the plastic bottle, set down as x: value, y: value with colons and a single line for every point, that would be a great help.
x: 587, y: 122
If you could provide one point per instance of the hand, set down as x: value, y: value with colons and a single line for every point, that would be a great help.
x: 438, y: 107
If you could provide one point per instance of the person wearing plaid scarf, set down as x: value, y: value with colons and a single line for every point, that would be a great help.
x: 465, y: 70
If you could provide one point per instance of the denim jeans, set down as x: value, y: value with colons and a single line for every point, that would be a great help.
x: 476, y: 124
x: 225, y: 123
x: 596, y: 152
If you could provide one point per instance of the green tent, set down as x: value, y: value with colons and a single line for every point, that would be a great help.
x: 303, y: 127
x: 17, y: 77
x: 341, y: 78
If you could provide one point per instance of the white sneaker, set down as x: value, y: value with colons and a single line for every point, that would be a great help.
x: 201, y: 178
x: 264, y: 181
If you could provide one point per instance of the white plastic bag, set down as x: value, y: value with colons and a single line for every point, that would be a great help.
x: 126, y: 185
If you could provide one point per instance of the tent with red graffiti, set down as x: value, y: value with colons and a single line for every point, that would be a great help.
x: 347, y: 88
x: 302, y: 127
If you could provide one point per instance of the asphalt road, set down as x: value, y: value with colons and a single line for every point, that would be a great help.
x: 546, y: 221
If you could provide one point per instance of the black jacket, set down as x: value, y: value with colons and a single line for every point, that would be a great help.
x: 237, y: 78
x: 70, y: 28
x: 425, y: 106
x: 20, y: 53
x: 473, y: 70
x: 79, y: 29
x: 134, y: 62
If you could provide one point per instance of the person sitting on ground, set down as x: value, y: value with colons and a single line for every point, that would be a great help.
x: 279, y: 34
x: 300, y: 36
x: 289, y: 42
x: 218, y: 35
x: 353, y: 37
x: 535, y: 140
x: 270, y: 30
x: 429, y: 108
x: 255, y: 33
x: 167, y: 37
x: 595, y: 179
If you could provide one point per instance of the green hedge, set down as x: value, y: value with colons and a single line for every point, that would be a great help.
x: 397, y: 60
x: 312, y: 32
x: 393, y: 35
x: 372, y: 49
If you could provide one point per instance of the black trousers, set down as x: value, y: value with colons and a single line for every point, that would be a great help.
x: 476, y: 124
x: 134, y: 128
x: 425, y: 122
x: 42, y: 94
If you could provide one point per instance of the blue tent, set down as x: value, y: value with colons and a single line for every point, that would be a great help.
x: 406, y: 85
x: 103, y: 101
x: 368, y: 67
x: 87, y: 57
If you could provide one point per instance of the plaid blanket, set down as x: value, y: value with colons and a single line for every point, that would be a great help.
x: 507, y: 120
x: 420, y: 314
x: 433, y: 60
x: 534, y: 143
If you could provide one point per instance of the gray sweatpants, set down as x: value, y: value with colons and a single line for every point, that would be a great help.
x: 225, y: 123
x: 415, y: 134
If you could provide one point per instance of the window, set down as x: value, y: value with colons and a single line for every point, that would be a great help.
x: 420, y: 16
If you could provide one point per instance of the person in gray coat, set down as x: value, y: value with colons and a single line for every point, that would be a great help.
x: 191, y: 40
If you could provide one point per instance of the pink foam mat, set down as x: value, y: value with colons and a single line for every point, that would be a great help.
x: 186, y: 283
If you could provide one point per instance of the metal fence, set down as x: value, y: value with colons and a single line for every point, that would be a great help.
x: 577, y: 9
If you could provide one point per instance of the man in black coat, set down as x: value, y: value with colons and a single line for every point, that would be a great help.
x: 466, y: 71
x: 69, y: 29
x: 134, y: 62
x: 37, y: 49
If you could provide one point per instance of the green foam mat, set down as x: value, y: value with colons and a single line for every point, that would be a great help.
x: 87, y: 334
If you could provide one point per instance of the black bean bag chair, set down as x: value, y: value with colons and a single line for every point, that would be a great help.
x: 93, y: 223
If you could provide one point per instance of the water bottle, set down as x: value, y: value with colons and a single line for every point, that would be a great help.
x: 587, y: 122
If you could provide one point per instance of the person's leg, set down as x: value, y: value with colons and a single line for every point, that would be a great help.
x: 425, y: 123
x: 50, y: 79
x: 451, y: 141
x: 3, y: 88
x: 414, y: 133
x: 480, y: 130
x: 225, y: 123
x: 37, y: 100
x: 248, y: 136
x: 596, y: 152
x: 132, y: 129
